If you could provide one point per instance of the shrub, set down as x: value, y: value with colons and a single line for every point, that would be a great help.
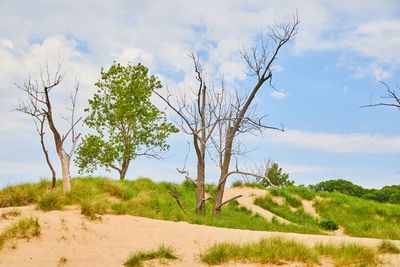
x: 92, y: 207
x: 23, y: 228
x: 52, y: 199
x: 275, y: 175
x: 329, y: 225
x: 388, y: 247
x: 163, y: 252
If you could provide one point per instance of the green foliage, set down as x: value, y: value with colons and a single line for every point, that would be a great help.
x: 357, y: 216
x: 273, y: 250
x: 237, y: 183
x: 127, y: 124
x: 12, y: 212
x: 163, y: 252
x: 280, y: 251
x: 360, y: 217
x: 349, y: 254
x: 52, y: 199
x: 23, y: 228
x: 143, y: 197
x: 299, y: 216
x: 388, y: 247
x: 275, y: 175
x: 94, y: 206
x: 389, y: 194
x: 329, y: 225
x: 20, y: 195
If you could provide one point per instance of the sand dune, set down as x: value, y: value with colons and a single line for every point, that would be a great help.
x: 109, y: 241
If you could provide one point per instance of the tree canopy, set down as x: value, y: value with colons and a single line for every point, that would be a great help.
x: 126, y: 123
x: 389, y: 194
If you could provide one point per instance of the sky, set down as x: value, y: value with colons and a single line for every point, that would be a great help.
x: 329, y: 70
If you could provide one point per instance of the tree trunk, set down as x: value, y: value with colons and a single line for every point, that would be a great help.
x: 124, y: 169
x: 46, y: 154
x: 219, y: 194
x: 65, y: 160
x: 200, y: 206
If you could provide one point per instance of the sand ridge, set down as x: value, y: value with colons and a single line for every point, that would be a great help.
x: 109, y: 241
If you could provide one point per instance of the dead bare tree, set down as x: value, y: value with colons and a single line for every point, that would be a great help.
x: 39, y: 119
x: 227, y: 113
x: 38, y: 105
x: 392, y: 95
x: 196, y: 118
x: 238, y: 116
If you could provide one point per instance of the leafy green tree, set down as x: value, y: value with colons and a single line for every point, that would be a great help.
x: 127, y: 124
x: 275, y: 175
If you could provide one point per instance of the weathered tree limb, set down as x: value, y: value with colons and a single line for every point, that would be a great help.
x: 187, y: 176
x: 175, y: 195
x: 227, y: 201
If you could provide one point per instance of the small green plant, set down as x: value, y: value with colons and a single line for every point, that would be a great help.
x: 349, y: 254
x: 237, y: 183
x: 23, y: 228
x: 275, y: 175
x: 273, y: 250
x: 329, y: 225
x: 388, y: 247
x: 163, y: 252
x: 10, y: 213
x: 51, y: 199
x: 62, y: 261
x: 280, y: 251
x: 92, y: 207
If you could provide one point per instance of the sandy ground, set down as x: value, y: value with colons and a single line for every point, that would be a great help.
x: 247, y: 200
x: 109, y: 241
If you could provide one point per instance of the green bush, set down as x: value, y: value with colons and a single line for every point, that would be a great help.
x: 329, y: 225
x: 52, y: 199
x: 389, y: 194
x: 93, y: 207
x: 388, y: 247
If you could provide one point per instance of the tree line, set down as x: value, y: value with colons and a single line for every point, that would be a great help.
x: 390, y: 194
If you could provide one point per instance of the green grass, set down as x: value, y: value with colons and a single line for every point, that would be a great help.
x: 163, y: 252
x: 388, y: 247
x: 10, y: 213
x: 143, y: 197
x: 349, y: 254
x: 358, y: 217
x: 92, y: 207
x: 280, y: 251
x: 51, y: 200
x: 23, y: 228
x: 299, y: 216
x: 273, y: 251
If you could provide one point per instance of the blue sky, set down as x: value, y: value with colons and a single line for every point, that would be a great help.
x: 328, y: 72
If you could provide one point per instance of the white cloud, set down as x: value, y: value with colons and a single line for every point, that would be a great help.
x: 278, y: 94
x: 299, y: 168
x: 338, y: 143
x: 161, y: 34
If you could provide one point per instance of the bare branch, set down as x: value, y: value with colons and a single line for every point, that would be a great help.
x: 227, y: 201
x: 175, y: 195
x: 391, y: 94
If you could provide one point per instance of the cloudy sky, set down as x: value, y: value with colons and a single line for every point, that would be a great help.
x: 331, y: 69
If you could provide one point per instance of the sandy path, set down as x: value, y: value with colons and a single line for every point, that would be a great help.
x: 108, y: 242
x: 247, y: 200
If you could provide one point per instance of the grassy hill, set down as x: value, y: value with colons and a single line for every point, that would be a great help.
x: 143, y: 197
